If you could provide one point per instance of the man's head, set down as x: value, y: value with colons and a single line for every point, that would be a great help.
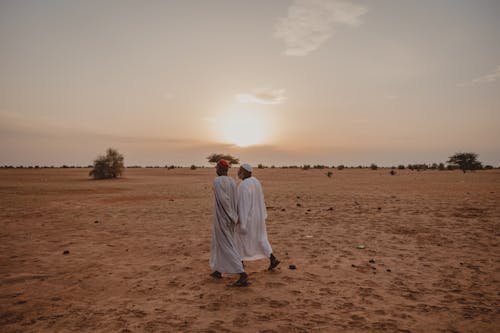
x: 222, y: 167
x: 245, y: 171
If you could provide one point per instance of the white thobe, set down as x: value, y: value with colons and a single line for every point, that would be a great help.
x: 251, y: 236
x: 223, y: 254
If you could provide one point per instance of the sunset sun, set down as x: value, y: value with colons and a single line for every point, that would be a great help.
x: 244, y: 128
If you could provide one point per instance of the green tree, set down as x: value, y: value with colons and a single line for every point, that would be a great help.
x: 214, y: 158
x: 465, y: 161
x: 109, y: 166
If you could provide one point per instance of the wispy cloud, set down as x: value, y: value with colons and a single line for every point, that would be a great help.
x: 311, y: 22
x: 262, y: 96
x: 491, y: 77
x: 487, y: 78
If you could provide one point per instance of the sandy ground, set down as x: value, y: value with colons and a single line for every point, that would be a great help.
x: 139, y: 247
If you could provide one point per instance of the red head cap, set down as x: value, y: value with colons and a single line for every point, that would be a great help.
x: 224, y: 164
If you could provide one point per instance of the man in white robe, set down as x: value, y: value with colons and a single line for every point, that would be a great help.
x: 251, y: 234
x: 224, y: 258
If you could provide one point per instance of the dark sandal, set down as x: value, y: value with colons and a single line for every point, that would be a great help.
x: 243, y: 283
x: 273, y: 265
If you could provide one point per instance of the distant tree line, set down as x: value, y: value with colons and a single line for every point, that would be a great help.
x: 112, y: 165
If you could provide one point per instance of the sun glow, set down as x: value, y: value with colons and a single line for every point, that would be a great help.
x: 244, y: 127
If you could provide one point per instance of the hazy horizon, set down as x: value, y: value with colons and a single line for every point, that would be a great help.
x: 279, y: 83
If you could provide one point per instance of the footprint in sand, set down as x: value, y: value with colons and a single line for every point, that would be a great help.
x: 326, y: 291
x: 313, y: 304
x: 278, y: 304
x: 357, y: 321
x: 275, y: 285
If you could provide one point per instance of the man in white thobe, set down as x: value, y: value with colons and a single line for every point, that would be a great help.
x: 251, y: 235
x: 224, y: 258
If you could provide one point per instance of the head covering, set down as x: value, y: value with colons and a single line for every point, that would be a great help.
x: 223, y: 163
x: 247, y: 167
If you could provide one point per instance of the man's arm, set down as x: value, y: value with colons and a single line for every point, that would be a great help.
x: 244, y: 206
x: 223, y: 200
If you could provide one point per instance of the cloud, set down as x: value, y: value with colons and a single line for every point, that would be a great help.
x: 263, y: 96
x: 311, y: 22
x: 488, y: 78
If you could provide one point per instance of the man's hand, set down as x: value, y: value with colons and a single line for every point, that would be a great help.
x: 243, y: 230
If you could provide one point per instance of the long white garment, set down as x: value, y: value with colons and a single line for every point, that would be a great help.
x: 223, y: 254
x: 251, y: 236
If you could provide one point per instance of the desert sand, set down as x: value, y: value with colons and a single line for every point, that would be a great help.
x: 413, y: 252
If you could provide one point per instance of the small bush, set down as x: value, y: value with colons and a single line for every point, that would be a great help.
x: 340, y: 167
x: 109, y: 166
x: 193, y: 167
x: 392, y: 172
x: 306, y: 167
x: 329, y: 174
x: 373, y: 166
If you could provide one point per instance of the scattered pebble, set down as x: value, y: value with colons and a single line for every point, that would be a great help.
x: 388, y: 270
x: 96, y: 221
x: 360, y: 247
x: 283, y: 209
x: 298, y: 197
x: 308, y: 210
x: 292, y: 267
x: 66, y: 252
x: 379, y: 208
x: 299, y: 205
x: 372, y: 261
x: 331, y: 208
x: 352, y: 265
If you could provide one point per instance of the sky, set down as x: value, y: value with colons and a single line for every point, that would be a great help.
x: 273, y: 82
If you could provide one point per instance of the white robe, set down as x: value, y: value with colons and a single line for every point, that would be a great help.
x: 223, y: 254
x: 251, y: 236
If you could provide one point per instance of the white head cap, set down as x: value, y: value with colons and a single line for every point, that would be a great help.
x: 247, y: 167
